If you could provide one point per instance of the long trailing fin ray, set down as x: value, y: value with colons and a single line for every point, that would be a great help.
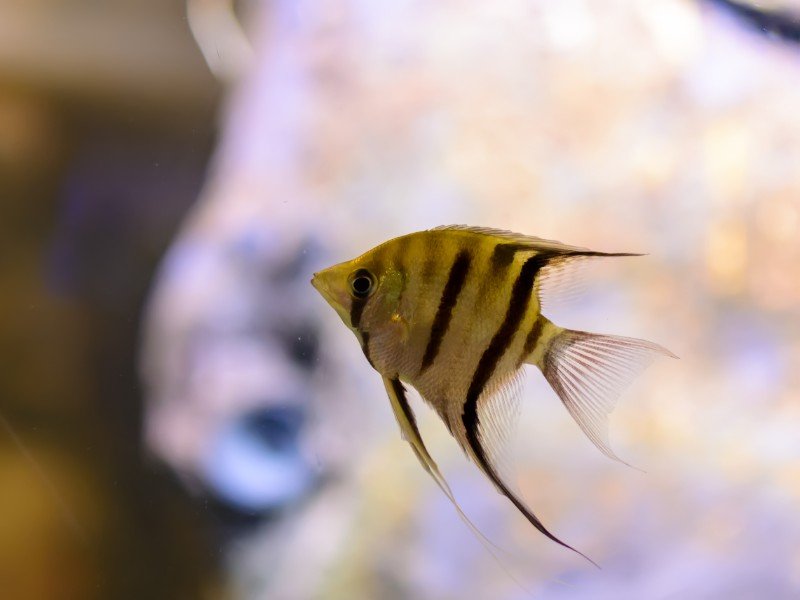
x: 589, y: 371
x: 560, y: 279
x: 487, y: 444
x: 564, y: 277
x: 409, y: 431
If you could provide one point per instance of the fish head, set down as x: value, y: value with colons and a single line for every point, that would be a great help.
x: 363, y: 292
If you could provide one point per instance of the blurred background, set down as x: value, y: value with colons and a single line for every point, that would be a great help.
x: 181, y: 416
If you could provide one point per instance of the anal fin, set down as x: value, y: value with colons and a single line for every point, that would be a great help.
x: 485, y: 431
x: 408, y: 428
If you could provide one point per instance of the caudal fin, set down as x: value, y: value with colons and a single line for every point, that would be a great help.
x: 589, y: 371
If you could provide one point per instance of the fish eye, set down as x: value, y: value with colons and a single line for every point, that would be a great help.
x: 362, y: 283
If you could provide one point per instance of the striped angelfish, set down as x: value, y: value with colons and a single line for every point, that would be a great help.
x: 455, y: 312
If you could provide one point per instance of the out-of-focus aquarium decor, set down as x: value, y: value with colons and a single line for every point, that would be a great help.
x: 182, y: 415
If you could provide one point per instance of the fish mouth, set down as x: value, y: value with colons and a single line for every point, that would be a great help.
x: 325, y: 283
x: 321, y: 285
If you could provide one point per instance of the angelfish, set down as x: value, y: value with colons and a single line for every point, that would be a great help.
x: 455, y: 312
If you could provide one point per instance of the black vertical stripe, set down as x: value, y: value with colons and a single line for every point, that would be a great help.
x: 520, y: 298
x: 356, y: 309
x: 531, y: 339
x: 503, y: 255
x: 452, y: 289
x: 399, y: 263
x: 365, y: 347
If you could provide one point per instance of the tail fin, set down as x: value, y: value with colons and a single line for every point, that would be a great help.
x: 589, y: 371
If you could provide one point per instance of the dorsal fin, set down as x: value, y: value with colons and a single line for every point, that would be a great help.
x: 559, y: 250
x: 535, y: 243
x: 557, y: 279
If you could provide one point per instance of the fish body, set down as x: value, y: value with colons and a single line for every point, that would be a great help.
x: 456, y: 312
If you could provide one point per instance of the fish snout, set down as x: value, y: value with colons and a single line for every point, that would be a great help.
x: 322, y: 284
x: 316, y: 280
x: 328, y: 283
